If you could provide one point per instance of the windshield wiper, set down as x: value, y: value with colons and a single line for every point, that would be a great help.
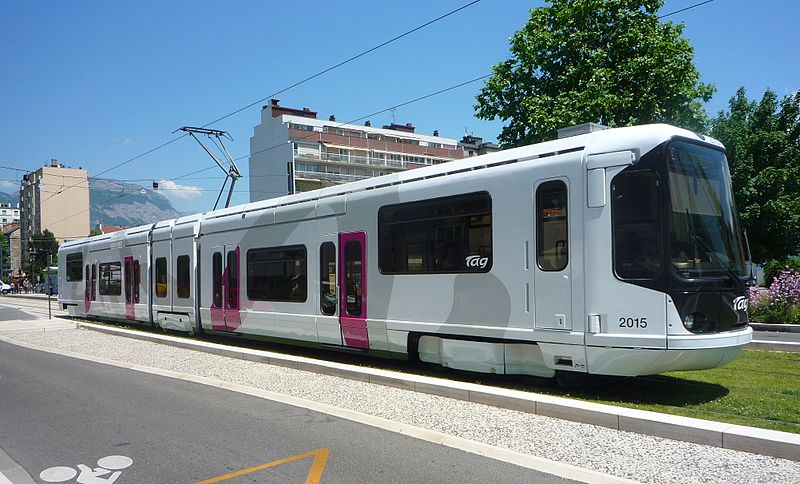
x: 724, y: 264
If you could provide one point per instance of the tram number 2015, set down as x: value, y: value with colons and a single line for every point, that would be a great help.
x: 640, y: 323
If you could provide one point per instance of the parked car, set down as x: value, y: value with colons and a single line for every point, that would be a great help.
x: 5, y: 288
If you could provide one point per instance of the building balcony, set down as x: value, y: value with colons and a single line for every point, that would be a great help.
x: 352, y: 160
x: 330, y: 178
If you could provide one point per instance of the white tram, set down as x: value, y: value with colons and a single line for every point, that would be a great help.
x: 616, y: 252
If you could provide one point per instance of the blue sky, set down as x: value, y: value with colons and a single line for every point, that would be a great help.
x: 95, y: 83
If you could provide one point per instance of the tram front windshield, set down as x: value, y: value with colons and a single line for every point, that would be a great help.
x: 705, y: 237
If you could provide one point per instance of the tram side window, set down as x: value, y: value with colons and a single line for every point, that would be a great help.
x: 94, y: 282
x: 552, y: 247
x: 216, y: 277
x: 636, y: 224
x: 277, y: 274
x: 75, y: 267
x: 233, y: 279
x: 439, y: 236
x: 184, y: 283
x: 327, y: 278
x: 137, y: 279
x: 161, y: 277
x: 110, y: 279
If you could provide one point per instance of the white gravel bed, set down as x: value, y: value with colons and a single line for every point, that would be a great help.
x: 624, y: 454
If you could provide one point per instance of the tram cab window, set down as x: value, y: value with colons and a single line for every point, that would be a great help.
x: 552, y: 248
x: 636, y: 220
x: 440, y: 236
x: 182, y: 276
x: 161, y: 277
x: 327, y: 278
x: 75, y: 267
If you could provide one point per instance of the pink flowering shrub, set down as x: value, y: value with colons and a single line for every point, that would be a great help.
x: 780, y: 303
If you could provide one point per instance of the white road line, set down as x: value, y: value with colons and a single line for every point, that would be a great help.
x: 505, y: 455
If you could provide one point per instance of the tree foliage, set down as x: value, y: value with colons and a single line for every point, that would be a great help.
x: 763, y: 143
x: 607, y: 61
x: 43, y: 250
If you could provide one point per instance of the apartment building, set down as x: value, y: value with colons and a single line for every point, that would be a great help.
x: 293, y: 151
x: 55, y: 198
x: 8, y: 214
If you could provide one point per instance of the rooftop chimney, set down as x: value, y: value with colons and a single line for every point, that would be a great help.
x: 53, y: 163
x: 436, y: 132
x: 367, y: 123
x: 332, y: 118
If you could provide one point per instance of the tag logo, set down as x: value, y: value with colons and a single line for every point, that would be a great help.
x: 475, y: 261
x: 740, y: 303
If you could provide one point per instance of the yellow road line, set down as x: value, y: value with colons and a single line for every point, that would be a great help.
x: 314, y: 474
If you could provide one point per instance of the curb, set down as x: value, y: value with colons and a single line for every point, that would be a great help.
x: 781, y: 328
x: 728, y: 436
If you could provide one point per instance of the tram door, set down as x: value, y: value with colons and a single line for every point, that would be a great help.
x: 552, y: 271
x: 225, y: 314
x: 353, y: 289
x: 132, y: 279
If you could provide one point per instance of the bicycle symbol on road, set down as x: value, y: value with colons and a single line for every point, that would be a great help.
x: 112, y: 464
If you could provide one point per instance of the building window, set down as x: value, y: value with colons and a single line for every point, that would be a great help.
x: 110, y: 279
x: 183, y: 278
x: 277, y: 274
x: 443, y: 235
x: 161, y: 277
x: 552, y: 251
x: 74, y: 267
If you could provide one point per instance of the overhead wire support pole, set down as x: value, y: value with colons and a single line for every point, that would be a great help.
x: 231, y: 170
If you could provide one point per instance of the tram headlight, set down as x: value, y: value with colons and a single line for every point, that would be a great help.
x: 688, y: 321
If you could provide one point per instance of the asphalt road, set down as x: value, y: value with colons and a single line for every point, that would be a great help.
x: 79, y: 420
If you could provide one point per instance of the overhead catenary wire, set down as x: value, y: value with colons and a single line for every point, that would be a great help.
x: 293, y: 85
x: 685, y: 9
x: 404, y: 103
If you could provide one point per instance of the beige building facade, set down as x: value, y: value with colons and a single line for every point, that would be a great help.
x: 55, y: 198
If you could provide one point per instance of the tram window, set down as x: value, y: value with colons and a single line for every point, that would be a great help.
x: 128, y: 281
x: 74, y: 267
x: 137, y: 279
x: 233, y: 279
x: 277, y: 274
x: 440, y: 236
x: 353, y: 278
x: 161, y: 277
x: 552, y: 247
x: 327, y: 278
x: 182, y: 276
x: 110, y: 279
x: 636, y: 223
x: 94, y: 282
x: 88, y: 288
x: 216, y: 277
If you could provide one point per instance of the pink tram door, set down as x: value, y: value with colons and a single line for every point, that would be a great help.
x: 225, y: 315
x: 353, y: 289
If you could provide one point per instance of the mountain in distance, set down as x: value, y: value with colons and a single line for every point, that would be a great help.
x: 112, y: 202
x: 120, y: 203
x: 12, y: 198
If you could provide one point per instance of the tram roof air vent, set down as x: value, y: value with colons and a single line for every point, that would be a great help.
x: 579, y: 129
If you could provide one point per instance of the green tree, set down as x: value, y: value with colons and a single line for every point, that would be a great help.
x: 43, y: 250
x: 763, y: 143
x: 607, y: 61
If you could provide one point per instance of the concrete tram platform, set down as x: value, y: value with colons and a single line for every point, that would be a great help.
x: 736, y: 437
